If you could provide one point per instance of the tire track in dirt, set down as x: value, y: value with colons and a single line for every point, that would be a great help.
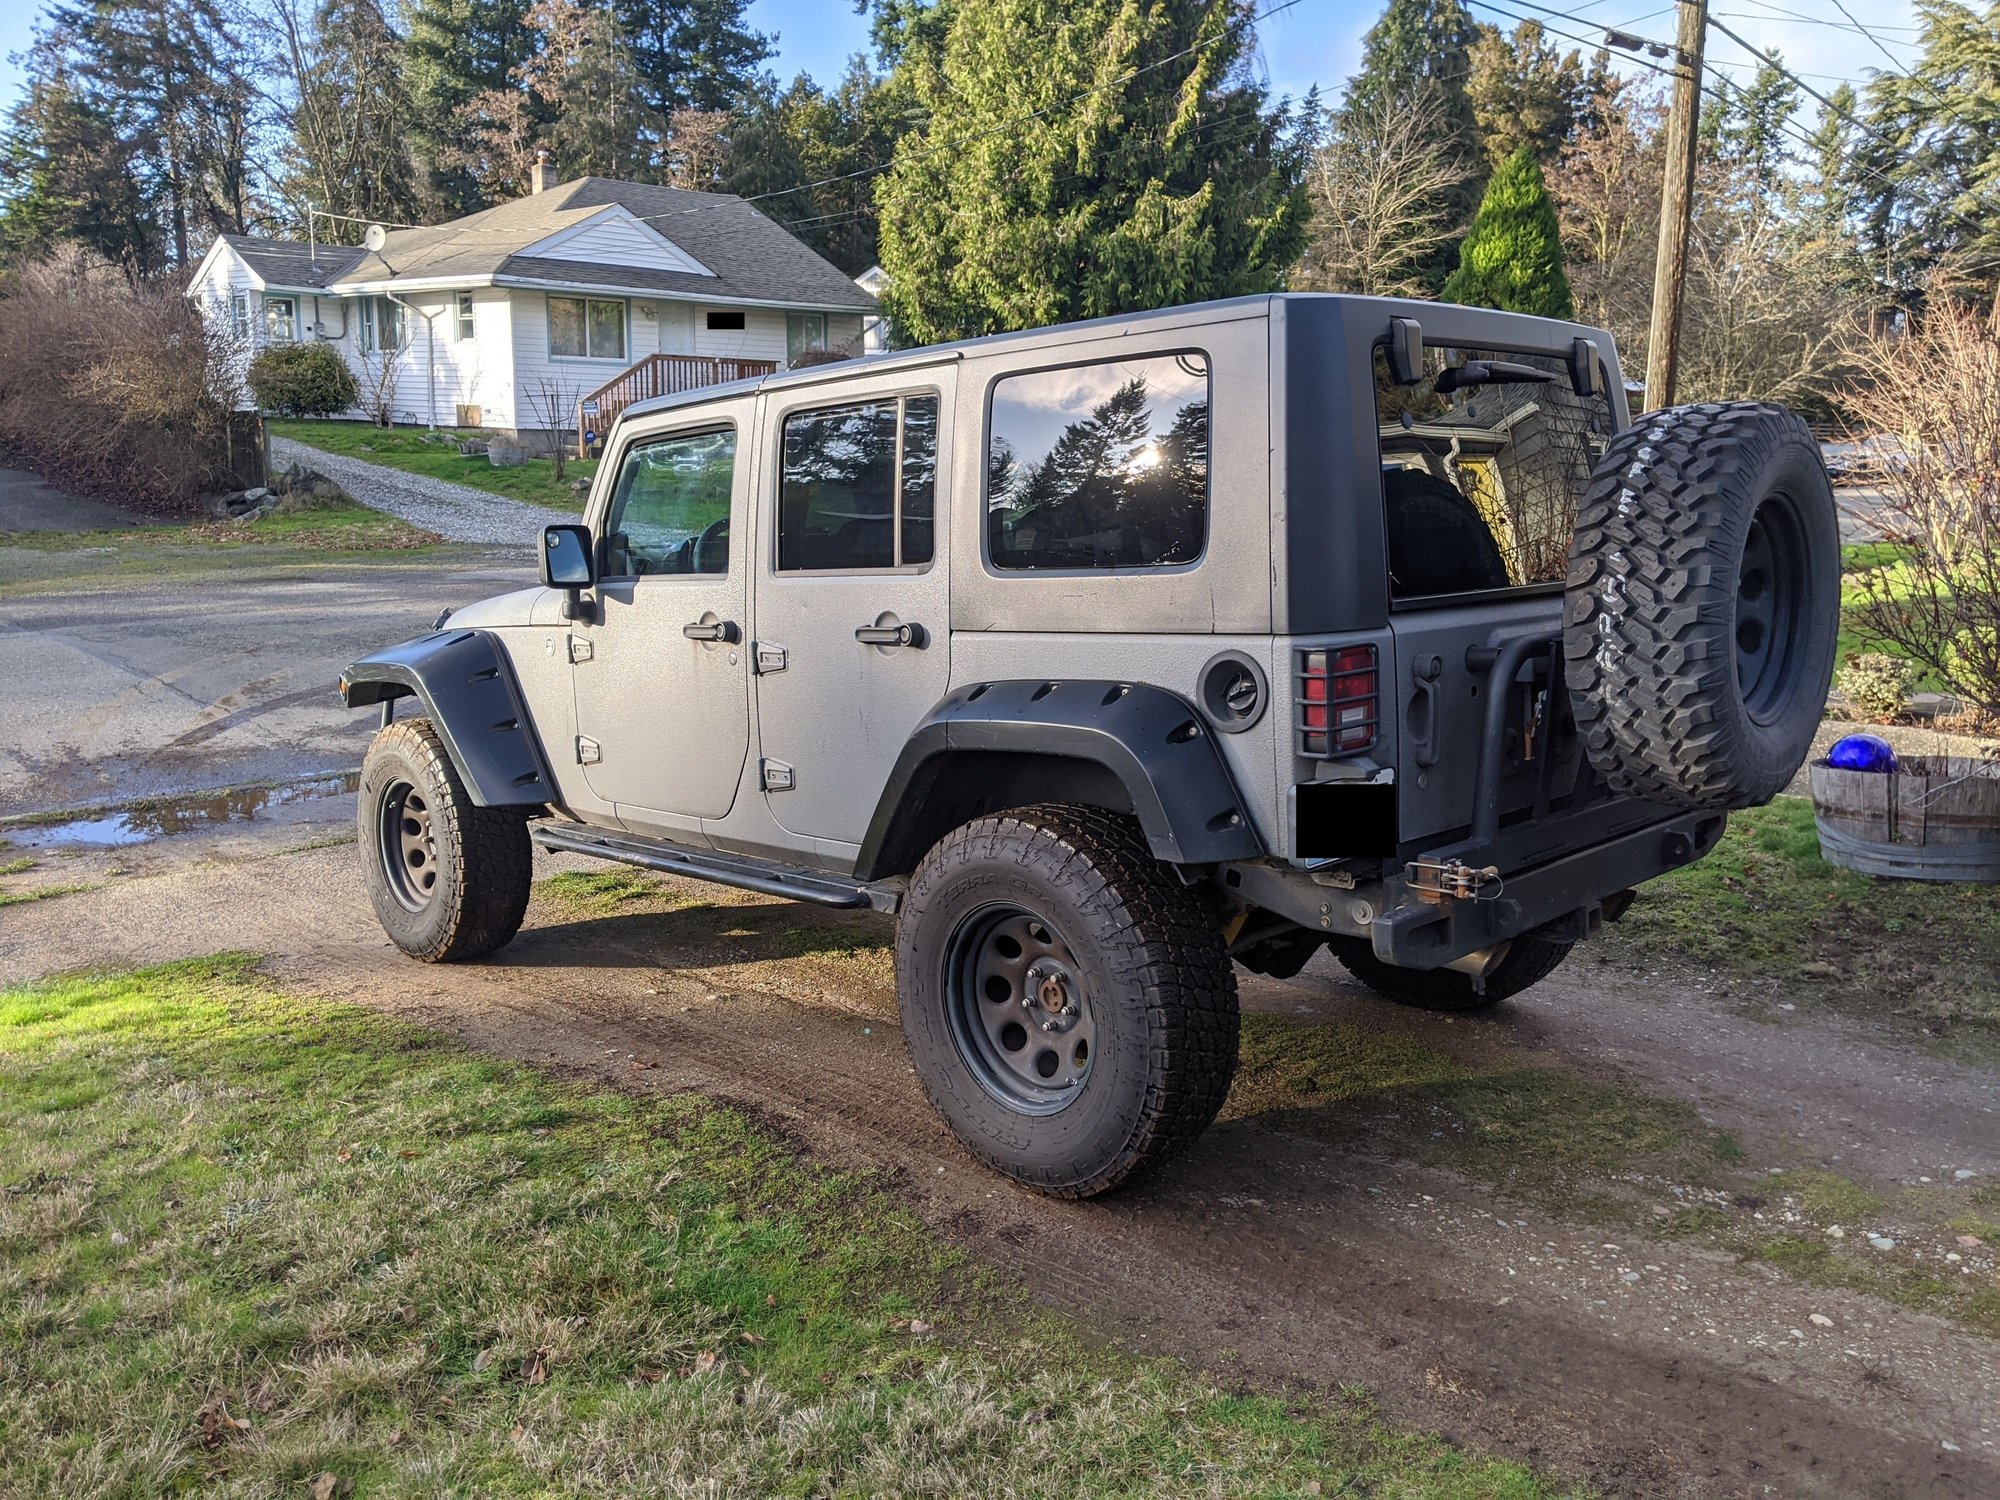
x: 1266, y: 1259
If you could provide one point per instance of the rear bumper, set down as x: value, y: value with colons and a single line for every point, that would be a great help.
x: 1418, y: 931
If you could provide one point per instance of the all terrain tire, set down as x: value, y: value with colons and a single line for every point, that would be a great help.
x: 1067, y: 1002
x: 1703, y: 604
x: 1529, y: 960
x: 448, y: 879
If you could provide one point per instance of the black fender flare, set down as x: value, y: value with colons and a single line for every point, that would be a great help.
x: 1150, y: 740
x: 463, y: 679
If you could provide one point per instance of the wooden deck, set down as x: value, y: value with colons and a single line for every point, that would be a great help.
x: 656, y: 375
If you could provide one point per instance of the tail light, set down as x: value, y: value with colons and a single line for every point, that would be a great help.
x: 1339, y: 695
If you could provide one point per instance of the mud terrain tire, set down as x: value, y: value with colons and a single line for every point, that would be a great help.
x: 1530, y: 959
x: 1703, y: 603
x: 1011, y: 917
x: 448, y: 879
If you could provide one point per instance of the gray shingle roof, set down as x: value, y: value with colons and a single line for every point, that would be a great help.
x: 753, y: 258
x: 290, y: 263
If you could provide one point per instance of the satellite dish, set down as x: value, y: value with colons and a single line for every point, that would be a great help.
x: 375, y: 237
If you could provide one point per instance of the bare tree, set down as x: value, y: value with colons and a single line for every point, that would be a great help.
x: 1381, y: 195
x: 552, y: 403
x: 377, y: 378
x: 1936, y: 391
x: 697, y: 147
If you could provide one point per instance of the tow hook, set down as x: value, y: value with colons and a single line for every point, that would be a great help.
x: 1438, y: 881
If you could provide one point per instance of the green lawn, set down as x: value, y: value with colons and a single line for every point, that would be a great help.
x: 437, y: 456
x: 281, y: 1246
x: 1766, y: 908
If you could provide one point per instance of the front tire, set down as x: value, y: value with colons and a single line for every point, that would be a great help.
x: 448, y: 879
x: 1530, y: 958
x: 1067, y: 1002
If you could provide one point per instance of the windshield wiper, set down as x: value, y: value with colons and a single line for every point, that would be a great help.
x: 1488, y: 372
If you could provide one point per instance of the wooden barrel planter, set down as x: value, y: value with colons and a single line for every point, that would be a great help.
x: 1933, y: 818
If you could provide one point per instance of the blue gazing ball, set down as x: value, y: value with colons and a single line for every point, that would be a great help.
x: 1862, y: 752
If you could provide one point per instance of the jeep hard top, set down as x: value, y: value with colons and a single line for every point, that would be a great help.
x: 1109, y: 655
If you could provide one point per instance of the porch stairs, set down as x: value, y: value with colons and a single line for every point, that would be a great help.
x: 656, y: 375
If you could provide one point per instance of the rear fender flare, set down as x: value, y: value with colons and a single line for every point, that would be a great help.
x: 1146, y: 740
x: 466, y: 686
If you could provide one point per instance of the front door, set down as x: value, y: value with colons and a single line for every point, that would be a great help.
x: 852, y: 633
x: 662, y: 673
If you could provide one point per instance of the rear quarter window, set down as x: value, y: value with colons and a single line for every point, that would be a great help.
x: 1099, y: 466
x: 1481, y: 480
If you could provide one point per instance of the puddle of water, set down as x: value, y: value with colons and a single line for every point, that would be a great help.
x: 201, y: 812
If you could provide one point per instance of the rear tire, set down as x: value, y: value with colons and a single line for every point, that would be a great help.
x: 448, y: 879
x: 1067, y: 1002
x: 1529, y: 960
x: 1703, y: 605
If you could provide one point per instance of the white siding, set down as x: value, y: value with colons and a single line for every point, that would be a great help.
x: 536, y: 371
x: 843, y: 331
x: 761, y: 337
x: 617, y: 239
x: 223, y: 277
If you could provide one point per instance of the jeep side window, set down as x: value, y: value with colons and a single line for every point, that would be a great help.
x: 1102, y: 465
x: 1480, y: 482
x: 858, y: 486
x: 670, y: 512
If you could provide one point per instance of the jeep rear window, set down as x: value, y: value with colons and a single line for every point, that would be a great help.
x: 1099, y: 466
x: 1480, y: 482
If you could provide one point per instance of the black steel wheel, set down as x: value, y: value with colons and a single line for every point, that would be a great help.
x: 448, y: 878
x: 1067, y: 1002
x: 1019, y: 1009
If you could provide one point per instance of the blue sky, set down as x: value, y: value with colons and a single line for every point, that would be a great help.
x: 1319, y: 41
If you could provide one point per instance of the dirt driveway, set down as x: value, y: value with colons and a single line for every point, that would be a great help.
x: 1279, y: 1254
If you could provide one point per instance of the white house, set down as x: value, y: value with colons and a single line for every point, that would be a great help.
x: 508, y: 318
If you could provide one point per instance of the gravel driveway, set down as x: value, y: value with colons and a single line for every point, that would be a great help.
x: 456, y: 512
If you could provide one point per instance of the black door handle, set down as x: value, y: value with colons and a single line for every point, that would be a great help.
x: 893, y: 635
x: 1427, y: 671
x: 722, y: 630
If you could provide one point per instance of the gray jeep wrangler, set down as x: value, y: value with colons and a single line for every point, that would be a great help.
x: 1109, y: 655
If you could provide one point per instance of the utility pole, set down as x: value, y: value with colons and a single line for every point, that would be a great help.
x: 1676, y: 205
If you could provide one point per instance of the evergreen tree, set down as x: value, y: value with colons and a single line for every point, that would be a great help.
x: 1524, y: 92
x: 1752, y: 134
x: 349, y: 119
x: 454, y: 51
x: 1930, y: 163
x: 1018, y: 203
x: 1512, y: 257
x: 1422, y: 49
x: 68, y: 175
x: 692, y: 54
x: 169, y: 79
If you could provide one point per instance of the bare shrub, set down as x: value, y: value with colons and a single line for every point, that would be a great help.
x: 376, y: 376
x: 115, y: 387
x: 1937, y: 391
x: 552, y: 405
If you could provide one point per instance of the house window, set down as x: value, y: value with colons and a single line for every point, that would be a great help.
x: 281, y: 319
x: 854, y: 497
x: 1100, y: 465
x: 725, y: 322
x: 464, y: 305
x: 586, y: 328
x: 382, y: 326
x: 803, y: 332
x: 239, y: 315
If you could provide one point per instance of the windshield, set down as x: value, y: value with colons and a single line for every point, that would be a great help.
x: 1480, y: 482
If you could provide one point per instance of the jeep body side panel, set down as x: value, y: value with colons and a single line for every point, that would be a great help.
x: 1151, y: 741
x: 466, y: 685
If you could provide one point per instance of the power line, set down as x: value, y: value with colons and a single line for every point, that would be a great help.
x: 1841, y: 6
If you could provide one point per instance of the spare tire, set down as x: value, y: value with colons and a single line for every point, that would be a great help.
x: 1703, y: 605
x: 1438, y: 541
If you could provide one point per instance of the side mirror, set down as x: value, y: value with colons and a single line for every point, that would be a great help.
x: 569, y: 562
x: 1406, y: 351
x: 1583, y: 368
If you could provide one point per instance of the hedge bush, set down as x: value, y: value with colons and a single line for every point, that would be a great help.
x: 302, y: 380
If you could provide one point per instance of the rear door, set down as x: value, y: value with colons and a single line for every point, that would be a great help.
x: 1482, y: 469
x: 853, y: 637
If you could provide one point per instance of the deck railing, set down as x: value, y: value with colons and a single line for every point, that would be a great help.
x: 657, y: 375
